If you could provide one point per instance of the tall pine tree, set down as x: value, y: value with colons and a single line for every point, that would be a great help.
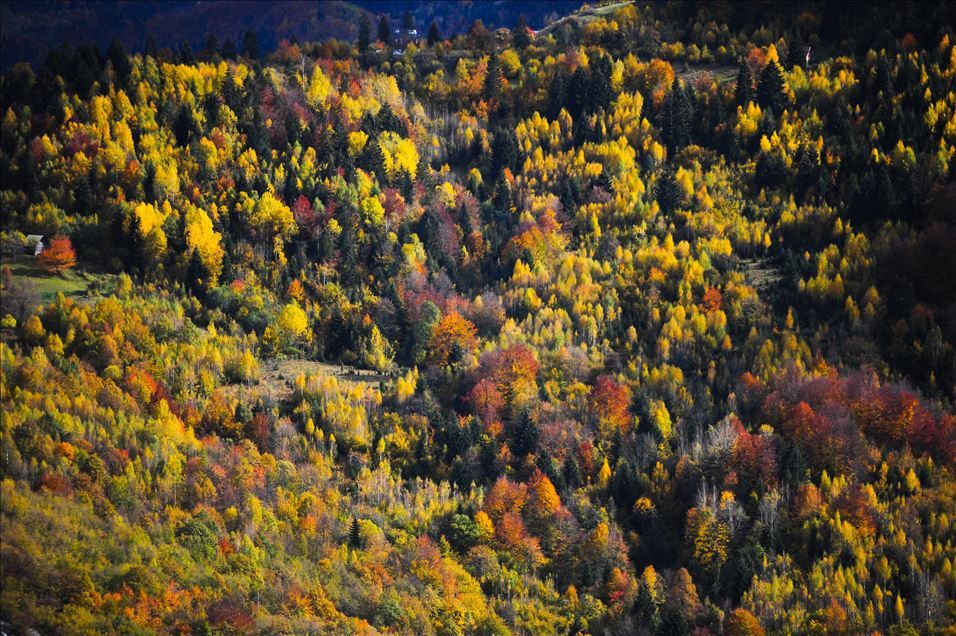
x: 385, y: 31
x: 770, y: 88
x: 434, y: 35
x: 744, y: 90
x: 364, y: 34
x: 676, y: 114
x: 520, y: 35
x: 668, y: 192
x: 250, y: 45
x: 119, y: 60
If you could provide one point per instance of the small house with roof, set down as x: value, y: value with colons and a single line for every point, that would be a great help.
x: 35, y: 244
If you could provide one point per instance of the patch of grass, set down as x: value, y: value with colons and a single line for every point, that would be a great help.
x: 584, y: 16
x: 71, y: 283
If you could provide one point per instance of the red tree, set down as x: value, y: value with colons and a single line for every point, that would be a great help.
x: 59, y: 256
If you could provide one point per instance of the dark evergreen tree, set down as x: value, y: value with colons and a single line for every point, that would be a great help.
x: 625, y: 483
x: 571, y: 473
x: 408, y: 22
x: 676, y: 116
x: 505, y: 152
x: 385, y: 31
x: 434, y: 34
x: 744, y: 89
x: 373, y: 160
x: 119, y: 60
x: 770, y: 88
x: 250, y: 45
x: 230, y: 92
x: 570, y: 197
x: 494, y: 79
x: 796, y: 52
x: 771, y: 170
x: 577, y: 94
x: 601, y: 93
x: 520, y: 35
x: 212, y: 46
x: 808, y: 170
x: 550, y: 467
x: 355, y: 539
x: 502, y: 198
x: 81, y: 75
x: 210, y: 106
x: 668, y: 192
x: 364, y: 34
x: 524, y: 438
x: 228, y: 49
x: 185, y: 126
x: 134, y: 243
x: 197, y: 275
x: 557, y: 94
x: 186, y: 54
x: 152, y: 49
x: 386, y: 119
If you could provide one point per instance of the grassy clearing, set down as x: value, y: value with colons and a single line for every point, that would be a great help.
x: 583, y: 16
x: 71, y: 283
x: 277, y: 377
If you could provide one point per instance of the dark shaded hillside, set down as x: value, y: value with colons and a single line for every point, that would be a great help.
x: 30, y: 29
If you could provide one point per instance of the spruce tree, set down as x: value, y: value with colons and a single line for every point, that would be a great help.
x: 186, y: 54
x: 228, y: 49
x: 504, y: 151
x: 373, y: 160
x: 152, y: 49
x: 744, y: 90
x: 668, y: 192
x: 557, y: 94
x: 197, y: 275
x: 502, y: 199
x: 212, y: 45
x: 250, y: 45
x: 184, y: 126
x: 525, y: 435
x: 578, y: 89
x: 571, y: 473
x: 434, y: 35
x: 494, y: 79
x: 364, y: 34
x: 385, y: 31
x: 770, y: 88
x: 520, y: 35
x: 601, y: 93
x: 230, y: 92
x: 676, y: 118
x: 119, y: 60
x: 355, y: 539
x: 135, y: 245
x: 796, y: 54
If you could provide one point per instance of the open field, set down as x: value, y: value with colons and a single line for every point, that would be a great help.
x: 277, y: 378
x: 46, y: 285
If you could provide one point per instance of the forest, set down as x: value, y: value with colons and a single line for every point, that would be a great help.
x: 642, y: 322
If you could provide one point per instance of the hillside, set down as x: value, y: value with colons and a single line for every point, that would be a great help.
x: 640, y: 323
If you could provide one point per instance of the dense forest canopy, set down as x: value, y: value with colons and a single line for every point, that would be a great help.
x: 642, y: 322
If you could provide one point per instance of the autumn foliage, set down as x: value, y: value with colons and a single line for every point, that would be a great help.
x: 58, y: 256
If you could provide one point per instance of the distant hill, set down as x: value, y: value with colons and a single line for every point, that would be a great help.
x: 29, y: 29
x: 457, y: 16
